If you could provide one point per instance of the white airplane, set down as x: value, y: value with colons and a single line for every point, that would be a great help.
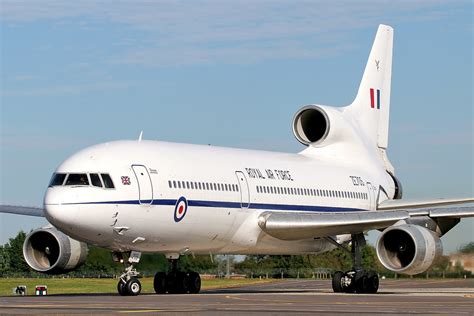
x: 148, y: 196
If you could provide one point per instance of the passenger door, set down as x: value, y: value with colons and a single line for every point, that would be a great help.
x: 145, y: 186
x: 244, y: 189
x: 371, y: 195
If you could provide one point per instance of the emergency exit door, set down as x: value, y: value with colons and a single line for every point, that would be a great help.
x: 145, y: 186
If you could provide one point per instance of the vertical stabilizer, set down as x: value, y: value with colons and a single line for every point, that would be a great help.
x: 371, y: 106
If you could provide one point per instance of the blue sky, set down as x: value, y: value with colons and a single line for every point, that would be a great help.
x: 77, y: 73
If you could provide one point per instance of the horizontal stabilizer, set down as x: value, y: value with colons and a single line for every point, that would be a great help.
x: 293, y: 226
x: 22, y: 210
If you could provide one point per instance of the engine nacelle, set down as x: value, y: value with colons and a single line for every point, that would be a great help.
x: 408, y: 249
x: 320, y: 125
x: 47, y: 250
x: 311, y: 125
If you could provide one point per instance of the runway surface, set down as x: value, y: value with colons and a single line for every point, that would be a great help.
x: 281, y: 297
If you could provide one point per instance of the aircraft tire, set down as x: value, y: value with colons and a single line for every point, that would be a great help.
x: 133, y: 287
x: 193, y: 282
x: 176, y: 283
x: 337, y: 282
x: 372, y: 282
x: 159, y: 283
x: 121, y: 289
x: 361, y: 283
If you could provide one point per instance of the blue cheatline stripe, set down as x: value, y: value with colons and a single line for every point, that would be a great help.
x: 378, y: 99
x: 223, y: 204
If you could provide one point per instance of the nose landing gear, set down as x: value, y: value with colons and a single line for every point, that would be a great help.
x: 356, y: 280
x: 128, y: 283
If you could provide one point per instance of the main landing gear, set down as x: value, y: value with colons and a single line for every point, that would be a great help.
x: 173, y: 282
x: 356, y: 280
x: 177, y: 282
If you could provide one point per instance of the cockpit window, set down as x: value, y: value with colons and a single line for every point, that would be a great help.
x: 57, y: 179
x: 77, y: 179
x: 95, y: 180
x: 107, y: 181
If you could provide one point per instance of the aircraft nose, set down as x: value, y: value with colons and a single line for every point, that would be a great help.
x: 56, y: 209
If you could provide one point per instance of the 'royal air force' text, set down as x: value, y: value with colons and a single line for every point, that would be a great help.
x: 273, y: 174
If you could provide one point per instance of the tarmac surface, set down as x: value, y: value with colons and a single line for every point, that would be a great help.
x: 295, y: 297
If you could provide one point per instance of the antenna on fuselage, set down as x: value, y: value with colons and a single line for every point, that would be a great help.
x: 140, y: 137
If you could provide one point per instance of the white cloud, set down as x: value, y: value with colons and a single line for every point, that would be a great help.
x: 199, y: 32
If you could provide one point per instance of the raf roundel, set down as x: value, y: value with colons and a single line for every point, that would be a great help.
x: 180, y: 209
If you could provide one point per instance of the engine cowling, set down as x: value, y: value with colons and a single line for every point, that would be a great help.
x: 408, y: 249
x: 48, y: 250
x: 321, y: 125
x: 311, y: 125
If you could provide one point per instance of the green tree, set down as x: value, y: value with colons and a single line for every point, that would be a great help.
x: 467, y: 248
x: 13, y: 255
x: 2, y: 262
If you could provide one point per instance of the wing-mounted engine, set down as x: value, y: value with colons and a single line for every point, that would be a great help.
x: 320, y: 125
x: 408, y: 249
x: 47, y: 250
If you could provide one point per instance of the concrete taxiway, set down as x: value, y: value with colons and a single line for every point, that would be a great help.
x: 281, y: 297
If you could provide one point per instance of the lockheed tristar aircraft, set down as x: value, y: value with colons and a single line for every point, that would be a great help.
x: 142, y: 196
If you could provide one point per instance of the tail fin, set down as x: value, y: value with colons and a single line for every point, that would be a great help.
x: 372, y: 103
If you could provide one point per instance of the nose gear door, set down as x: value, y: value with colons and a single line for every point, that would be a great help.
x: 145, y: 186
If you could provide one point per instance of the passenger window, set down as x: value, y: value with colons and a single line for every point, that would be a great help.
x: 95, y: 180
x: 57, y: 179
x: 192, y: 185
x: 77, y: 179
x: 107, y: 181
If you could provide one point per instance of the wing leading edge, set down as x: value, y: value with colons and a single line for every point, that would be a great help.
x: 302, y: 225
x: 22, y: 210
x: 411, y: 204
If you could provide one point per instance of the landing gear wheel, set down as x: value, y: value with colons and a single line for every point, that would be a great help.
x: 121, y: 288
x: 159, y: 283
x: 349, y: 285
x: 337, y: 282
x: 133, y: 287
x: 372, y: 282
x: 361, y: 282
x: 193, y: 281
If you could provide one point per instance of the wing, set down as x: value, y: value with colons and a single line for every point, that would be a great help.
x: 410, y: 204
x: 22, y: 210
x: 302, y: 225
